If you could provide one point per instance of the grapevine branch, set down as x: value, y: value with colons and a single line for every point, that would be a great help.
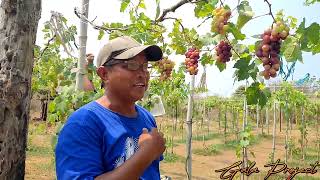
x: 108, y: 30
x: 261, y: 15
x: 58, y: 29
x: 183, y: 29
x: 47, y: 46
x: 232, y: 47
x: 270, y: 11
x: 172, y: 9
x: 209, y: 17
x: 221, y: 3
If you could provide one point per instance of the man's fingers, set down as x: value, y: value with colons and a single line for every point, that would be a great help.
x: 144, y: 130
x: 154, y: 130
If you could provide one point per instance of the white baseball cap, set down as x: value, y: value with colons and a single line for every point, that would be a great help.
x: 124, y: 47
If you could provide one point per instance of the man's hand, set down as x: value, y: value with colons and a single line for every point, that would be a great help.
x: 152, y: 143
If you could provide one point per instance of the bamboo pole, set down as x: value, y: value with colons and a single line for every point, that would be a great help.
x: 189, y: 130
x: 83, y: 43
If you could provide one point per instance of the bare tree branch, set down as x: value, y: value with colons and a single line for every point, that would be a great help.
x: 108, y: 30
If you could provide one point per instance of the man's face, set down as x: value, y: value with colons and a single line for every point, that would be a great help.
x: 127, y: 83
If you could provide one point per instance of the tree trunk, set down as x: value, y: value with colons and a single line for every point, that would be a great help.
x: 18, y: 28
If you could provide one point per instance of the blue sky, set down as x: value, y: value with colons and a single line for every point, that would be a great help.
x: 220, y: 83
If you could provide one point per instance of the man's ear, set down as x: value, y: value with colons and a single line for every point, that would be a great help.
x: 102, y: 73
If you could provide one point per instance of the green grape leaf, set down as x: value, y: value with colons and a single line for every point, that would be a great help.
x: 204, y: 9
x: 208, y: 39
x: 244, y: 143
x: 312, y: 33
x: 52, y: 106
x: 236, y: 32
x: 257, y: 95
x: 245, y: 134
x: 245, y: 69
x: 206, y: 59
x: 52, y: 118
x: 221, y: 66
x: 309, y: 37
x: 291, y: 50
x: 101, y: 34
x: 245, y: 14
x: 142, y: 4
x: 158, y: 11
x: 124, y: 5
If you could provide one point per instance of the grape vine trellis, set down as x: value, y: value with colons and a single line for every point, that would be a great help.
x: 151, y: 30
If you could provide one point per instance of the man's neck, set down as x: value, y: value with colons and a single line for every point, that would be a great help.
x: 118, y: 105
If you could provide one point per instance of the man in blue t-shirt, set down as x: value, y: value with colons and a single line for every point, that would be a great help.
x: 112, y: 137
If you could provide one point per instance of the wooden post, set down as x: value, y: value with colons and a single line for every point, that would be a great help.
x: 189, y: 130
x: 82, y: 49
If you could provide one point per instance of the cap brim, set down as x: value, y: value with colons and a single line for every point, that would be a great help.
x: 153, y: 53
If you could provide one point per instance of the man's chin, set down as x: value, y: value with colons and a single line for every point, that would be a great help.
x: 138, y: 97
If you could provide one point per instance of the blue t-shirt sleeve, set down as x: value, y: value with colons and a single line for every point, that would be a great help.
x: 78, y: 154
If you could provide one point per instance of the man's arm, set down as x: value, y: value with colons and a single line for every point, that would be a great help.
x: 151, y: 146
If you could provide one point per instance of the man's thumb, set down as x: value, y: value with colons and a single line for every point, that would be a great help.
x: 144, y: 130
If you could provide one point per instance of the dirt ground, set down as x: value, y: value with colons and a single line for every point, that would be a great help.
x: 40, y: 162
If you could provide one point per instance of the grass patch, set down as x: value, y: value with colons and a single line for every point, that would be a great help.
x: 172, y: 158
x: 49, y: 166
x: 199, y: 138
x: 313, y: 150
x: 206, y: 137
x: 39, y: 151
x: 215, y: 149
x: 207, y: 151
x: 170, y: 144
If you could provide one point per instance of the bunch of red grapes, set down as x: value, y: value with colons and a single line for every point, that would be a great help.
x: 191, y: 61
x: 269, y: 49
x: 220, y: 20
x: 223, y: 52
x: 165, y: 68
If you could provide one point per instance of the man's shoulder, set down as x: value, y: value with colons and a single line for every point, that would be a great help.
x: 84, y: 118
x: 84, y: 114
